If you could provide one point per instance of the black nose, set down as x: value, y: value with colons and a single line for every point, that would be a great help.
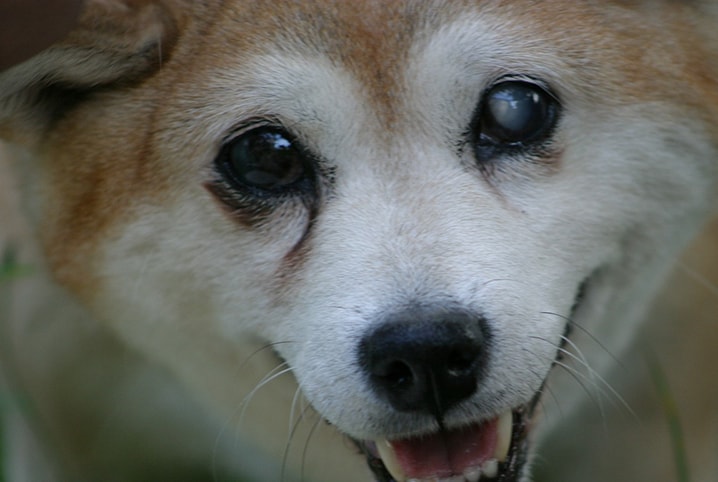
x: 425, y: 360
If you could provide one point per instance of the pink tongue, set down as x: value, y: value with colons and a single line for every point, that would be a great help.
x: 449, y: 453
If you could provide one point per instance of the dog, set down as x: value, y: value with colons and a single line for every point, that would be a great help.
x: 332, y: 240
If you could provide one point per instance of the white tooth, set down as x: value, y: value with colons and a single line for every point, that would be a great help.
x: 490, y: 468
x: 504, y: 442
x: 388, y: 456
x: 472, y: 475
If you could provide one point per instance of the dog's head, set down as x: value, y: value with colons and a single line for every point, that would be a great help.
x: 414, y: 203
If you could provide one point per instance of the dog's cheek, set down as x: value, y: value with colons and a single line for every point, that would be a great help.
x: 101, y: 176
x: 87, y: 193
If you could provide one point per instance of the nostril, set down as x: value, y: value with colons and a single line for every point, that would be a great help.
x: 394, y: 372
x: 461, y: 362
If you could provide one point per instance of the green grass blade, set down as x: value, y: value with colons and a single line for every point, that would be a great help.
x: 672, y: 414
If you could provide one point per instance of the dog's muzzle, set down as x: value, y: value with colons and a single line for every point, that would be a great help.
x: 427, y: 361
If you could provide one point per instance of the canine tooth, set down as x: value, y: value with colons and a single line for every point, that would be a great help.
x: 388, y: 456
x: 504, y: 431
x: 472, y: 475
x: 490, y: 468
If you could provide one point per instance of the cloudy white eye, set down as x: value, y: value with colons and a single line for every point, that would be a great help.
x: 514, y: 114
x: 265, y: 160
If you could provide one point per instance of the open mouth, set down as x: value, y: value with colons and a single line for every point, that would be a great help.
x: 493, y: 450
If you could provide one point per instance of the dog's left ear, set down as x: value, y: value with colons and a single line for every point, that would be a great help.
x: 115, y: 43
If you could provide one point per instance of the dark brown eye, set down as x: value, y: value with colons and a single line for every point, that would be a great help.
x: 265, y: 159
x: 515, y: 113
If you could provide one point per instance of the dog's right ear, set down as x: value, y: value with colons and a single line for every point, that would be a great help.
x: 116, y: 42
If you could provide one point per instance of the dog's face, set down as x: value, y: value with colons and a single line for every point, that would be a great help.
x: 417, y: 205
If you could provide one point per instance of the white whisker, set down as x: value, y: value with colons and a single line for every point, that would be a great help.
x: 306, y: 444
x: 290, y: 438
x: 600, y: 385
x: 699, y: 278
x: 598, y: 342
x: 546, y: 388
x: 293, y: 408
x: 595, y: 374
x: 581, y: 378
x: 276, y: 372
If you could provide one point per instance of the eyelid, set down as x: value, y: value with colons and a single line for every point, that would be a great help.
x: 525, y: 78
x: 252, y: 124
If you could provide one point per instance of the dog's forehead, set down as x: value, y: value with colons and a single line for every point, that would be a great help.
x: 368, y: 40
x: 374, y: 39
x: 306, y: 61
x: 380, y: 46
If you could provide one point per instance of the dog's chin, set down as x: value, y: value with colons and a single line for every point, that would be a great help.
x: 491, y: 450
